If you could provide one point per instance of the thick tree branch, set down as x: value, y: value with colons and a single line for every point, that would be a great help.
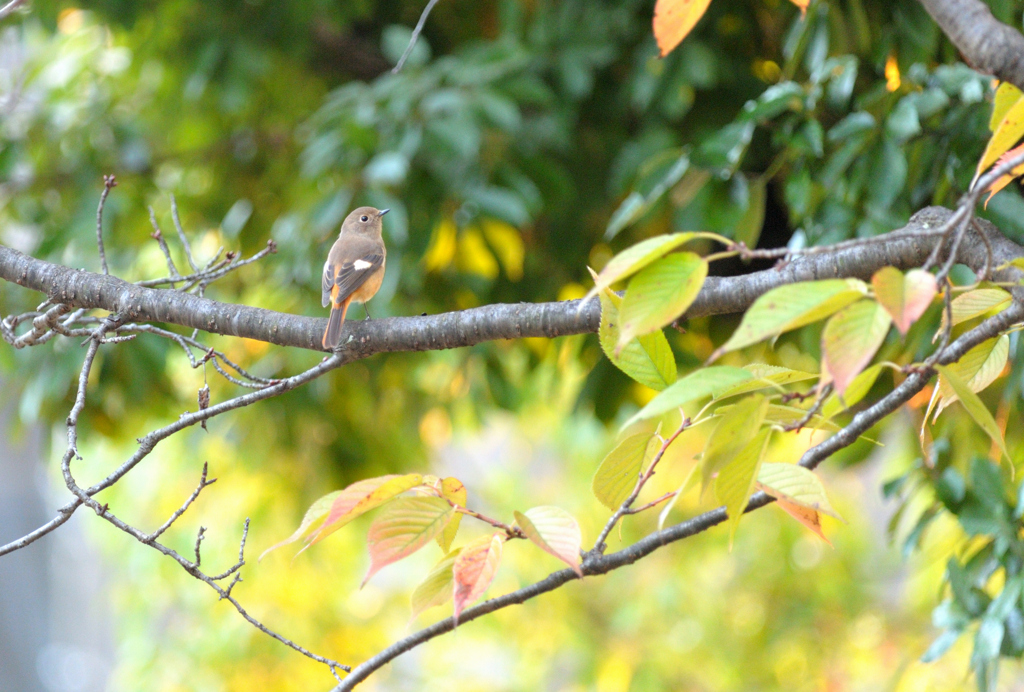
x: 908, y: 247
x: 987, y: 44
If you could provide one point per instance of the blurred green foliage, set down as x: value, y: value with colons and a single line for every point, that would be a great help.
x: 523, y: 141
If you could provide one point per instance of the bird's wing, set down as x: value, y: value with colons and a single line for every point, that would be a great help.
x: 349, y: 273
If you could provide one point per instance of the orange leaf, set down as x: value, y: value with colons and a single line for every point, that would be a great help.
x: 1006, y: 179
x: 802, y: 4
x: 361, y: 497
x: 673, y: 20
x: 403, y: 527
x: 806, y: 516
x: 474, y: 570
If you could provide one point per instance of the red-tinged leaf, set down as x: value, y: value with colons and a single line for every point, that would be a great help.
x: 361, y: 497
x: 452, y: 489
x: 850, y: 339
x: 793, y: 483
x: 674, y: 19
x: 474, y: 570
x: 436, y: 587
x: 1005, y: 180
x: 314, y: 515
x: 555, y: 531
x: 905, y: 297
x: 810, y: 518
x: 403, y: 527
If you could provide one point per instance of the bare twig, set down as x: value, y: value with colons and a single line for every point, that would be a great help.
x: 645, y: 475
x: 415, y: 36
x: 181, y: 510
x: 109, y: 182
x: 798, y: 425
x: 158, y: 236
x: 181, y: 235
x: 10, y: 7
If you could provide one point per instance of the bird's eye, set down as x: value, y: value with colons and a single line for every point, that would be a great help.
x: 364, y: 218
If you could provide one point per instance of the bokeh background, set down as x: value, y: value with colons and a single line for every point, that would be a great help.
x: 504, y: 148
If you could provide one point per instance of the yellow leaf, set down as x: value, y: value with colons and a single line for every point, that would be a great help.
x: 974, y: 406
x: 441, y: 250
x: 647, y: 359
x: 1006, y: 95
x: 619, y: 472
x: 507, y: 244
x: 474, y: 257
x: 892, y: 74
x: 1006, y: 135
x: 802, y: 4
x: 452, y: 489
x: 736, y: 428
x: 673, y: 20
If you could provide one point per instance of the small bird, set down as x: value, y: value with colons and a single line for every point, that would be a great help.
x: 354, y: 269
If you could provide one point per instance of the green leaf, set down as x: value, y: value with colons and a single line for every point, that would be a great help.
x: 736, y: 480
x: 647, y: 359
x: 793, y: 305
x: 632, y: 260
x: 403, y: 527
x: 796, y: 484
x: 974, y: 406
x: 766, y: 376
x: 554, y: 531
x: 620, y: 470
x: 850, y: 339
x: 452, y: 489
x: 978, y: 368
x: 736, y: 428
x: 975, y: 303
x: 706, y: 382
x: 660, y: 293
x: 436, y: 588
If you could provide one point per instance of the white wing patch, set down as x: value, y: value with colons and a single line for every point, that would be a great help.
x: 360, y: 265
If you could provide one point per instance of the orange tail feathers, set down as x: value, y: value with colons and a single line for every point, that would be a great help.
x: 332, y: 337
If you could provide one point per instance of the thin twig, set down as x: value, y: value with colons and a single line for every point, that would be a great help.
x: 798, y: 425
x: 109, y: 182
x: 415, y: 37
x: 10, y: 7
x: 158, y: 236
x: 181, y: 510
x: 182, y: 236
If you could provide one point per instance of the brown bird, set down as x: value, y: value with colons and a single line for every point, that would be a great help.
x: 354, y: 268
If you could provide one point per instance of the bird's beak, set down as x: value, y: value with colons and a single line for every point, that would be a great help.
x: 382, y: 212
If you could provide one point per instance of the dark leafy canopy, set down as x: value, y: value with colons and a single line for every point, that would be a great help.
x: 522, y: 142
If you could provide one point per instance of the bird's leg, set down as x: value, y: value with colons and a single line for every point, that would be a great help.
x: 367, y: 309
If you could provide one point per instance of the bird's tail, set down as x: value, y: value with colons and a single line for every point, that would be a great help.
x: 332, y: 337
